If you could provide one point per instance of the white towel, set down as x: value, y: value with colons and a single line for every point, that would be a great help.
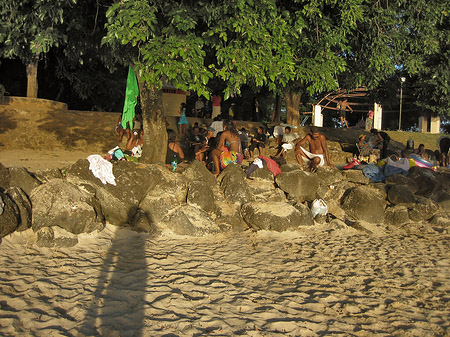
x: 101, y: 169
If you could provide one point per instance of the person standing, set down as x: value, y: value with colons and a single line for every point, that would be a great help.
x: 444, y: 147
x: 183, y: 122
x: 369, y: 120
x: 216, y: 100
x: 199, y: 106
x: 342, y: 111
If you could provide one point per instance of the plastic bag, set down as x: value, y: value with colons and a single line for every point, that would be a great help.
x: 319, y: 207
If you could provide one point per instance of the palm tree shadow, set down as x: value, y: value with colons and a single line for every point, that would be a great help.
x: 118, y: 300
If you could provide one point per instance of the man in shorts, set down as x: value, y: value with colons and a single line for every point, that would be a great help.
x: 318, y: 152
x: 342, y: 107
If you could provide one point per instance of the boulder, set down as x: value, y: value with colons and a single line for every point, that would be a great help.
x: 442, y: 198
x: 423, y: 209
x: 188, y: 220
x: 157, y: 204
x: 59, y: 203
x: 48, y: 174
x: 276, y: 216
x: 396, y: 216
x: 328, y: 175
x: 263, y: 174
x: 265, y: 190
x: 427, y: 181
x: 196, y: 171
x: 9, y: 215
x: 4, y: 178
x: 290, y: 167
x: 299, y: 185
x: 55, y: 237
x: 23, y: 205
x: 400, y: 195
x: 364, y: 203
x: 234, y: 185
x: 20, y: 177
x: 355, y: 176
x: 228, y: 217
x: 200, y: 195
x: 142, y: 223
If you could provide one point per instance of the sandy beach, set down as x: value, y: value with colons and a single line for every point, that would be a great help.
x: 322, y: 281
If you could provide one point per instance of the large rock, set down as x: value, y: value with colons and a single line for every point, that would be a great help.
x: 55, y: 237
x: 196, y: 171
x: 299, y: 185
x: 9, y: 215
x: 396, y: 216
x: 400, y: 195
x: 228, y: 217
x: 328, y: 175
x: 428, y: 181
x: 23, y: 204
x: 276, y: 216
x: 201, y: 195
x: 423, y: 209
x: 20, y: 177
x: 364, y: 203
x: 62, y: 204
x: 234, y: 185
x: 265, y: 190
x: 188, y: 220
x: 4, y: 178
x: 356, y: 176
x: 142, y: 223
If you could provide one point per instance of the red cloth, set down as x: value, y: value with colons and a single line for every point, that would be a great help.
x: 216, y: 100
x: 271, y: 165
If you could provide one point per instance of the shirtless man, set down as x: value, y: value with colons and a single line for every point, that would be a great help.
x: 318, y: 151
x: 343, y: 106
x: 230, y: 139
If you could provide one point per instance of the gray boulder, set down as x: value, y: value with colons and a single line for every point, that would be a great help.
x: 23, y: 205
x: 196, y: 171
x: 400, y: 195
x: 423, y: 209
x: 442, y: 198
x: 234, y: 185
x: 4, y: 178
x: 276, y: 216
x: 355, y: 176
x: 188, y: 220
x: 290, y: 167
x: 299, y: 185
x: 48, y: 174
x: 59, y: 203
x: 55, y: 237
x: 265, y: 190
x: 9, y: 215
x: 263, y: 174
x: 228, y: 217
x: 364, y: 203
x: 20, y: 177
x: 142, y: 223
x: 201, y: 195
x: 427, y: 181
x: 328, y: 175
x: 396, y: 216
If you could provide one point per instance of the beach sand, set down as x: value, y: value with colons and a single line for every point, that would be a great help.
x: 320, y: 281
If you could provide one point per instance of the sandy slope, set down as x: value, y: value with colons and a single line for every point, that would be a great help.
x: 321, y: 281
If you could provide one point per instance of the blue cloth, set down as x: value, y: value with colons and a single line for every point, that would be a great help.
x: 390, y: 170
x: 374, y: 173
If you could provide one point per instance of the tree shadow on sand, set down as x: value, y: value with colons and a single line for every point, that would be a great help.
x: 118, y: 300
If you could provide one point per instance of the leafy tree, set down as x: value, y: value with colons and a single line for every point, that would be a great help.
x: 318, y: 37
x: 191, y: 42
x: 29, y: 29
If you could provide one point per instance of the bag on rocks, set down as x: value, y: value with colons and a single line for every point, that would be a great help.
x: 319, y: 207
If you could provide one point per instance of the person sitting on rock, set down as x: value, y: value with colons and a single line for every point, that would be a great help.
x: 228, y: 149
x: 420, y: 151
x: 258, y: 142
x: 203, y: 153
x: 287, y: 142
x: 174, y: 149
x: 318, y: 151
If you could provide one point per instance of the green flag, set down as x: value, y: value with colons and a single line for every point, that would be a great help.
x: 131, y: 95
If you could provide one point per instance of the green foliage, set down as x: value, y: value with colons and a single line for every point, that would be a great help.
x: 29, y: 28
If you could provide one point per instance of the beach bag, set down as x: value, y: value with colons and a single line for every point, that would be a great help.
x: 319, y: 206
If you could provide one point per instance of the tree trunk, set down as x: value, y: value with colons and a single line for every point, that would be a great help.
x: 292, y: 104
x: 276, y: 114
x: 154, y: 123
x: 32, y: 84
